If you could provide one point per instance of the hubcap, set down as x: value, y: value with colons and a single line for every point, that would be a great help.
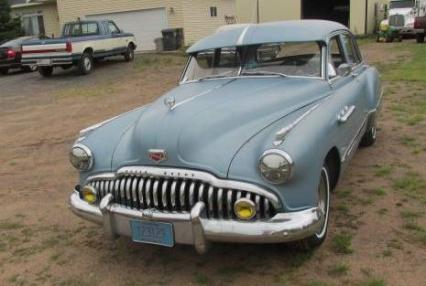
x: 323, y: 201
x: 87, y: 63
x: 374, y: 132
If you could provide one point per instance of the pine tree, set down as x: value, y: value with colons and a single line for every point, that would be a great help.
x: 9, y: 27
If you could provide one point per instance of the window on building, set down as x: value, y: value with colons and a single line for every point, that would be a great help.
x: 33, y: 25
x: 213, y: 11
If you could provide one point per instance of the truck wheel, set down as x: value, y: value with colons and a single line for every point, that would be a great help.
x: 4, y: 71
x: 324, y: 207
x: 129, y: 55
x: 420, y: 38
x: 45, y: 71
x: 85, y: 65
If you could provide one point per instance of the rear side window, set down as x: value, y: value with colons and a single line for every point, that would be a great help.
x: 81, y: 29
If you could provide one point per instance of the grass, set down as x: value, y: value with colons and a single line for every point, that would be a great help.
x: 407, y: 70
x: 338, y: 270
x: 412, y: 184
x: 380, y: 192
x: 342, y: 243
x: 6, y: 225
x: 201, y: 279
x: 157, y: 61
x: 372, y: 282
x: 382, y: 171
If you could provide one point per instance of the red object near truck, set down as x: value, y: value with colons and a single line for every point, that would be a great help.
x: 420, y: 28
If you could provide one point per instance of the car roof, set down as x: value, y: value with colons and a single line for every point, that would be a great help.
x: 271, y: 32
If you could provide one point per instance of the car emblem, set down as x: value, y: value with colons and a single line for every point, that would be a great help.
x: 170, y: 102
x: 157, y: 155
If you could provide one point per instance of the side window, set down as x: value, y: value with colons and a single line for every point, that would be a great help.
x: 113, y: 28
x: 335, y: 56
x: 351, y: 52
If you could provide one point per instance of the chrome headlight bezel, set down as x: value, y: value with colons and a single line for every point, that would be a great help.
x: 286, y: 167
x: 84, y: 161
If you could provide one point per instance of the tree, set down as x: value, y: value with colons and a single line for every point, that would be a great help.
x: 10, y: 28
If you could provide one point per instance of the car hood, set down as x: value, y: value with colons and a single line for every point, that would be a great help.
x: 211, y: 120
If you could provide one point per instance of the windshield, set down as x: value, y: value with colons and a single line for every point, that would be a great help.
x: 16, y: 42
x: 401, y: 4
x: 275, y: 59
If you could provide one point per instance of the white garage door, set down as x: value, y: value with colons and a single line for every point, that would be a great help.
x: 146, y: 25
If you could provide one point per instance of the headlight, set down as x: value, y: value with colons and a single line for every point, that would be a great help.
x: 81, y: 157
x: 276, y: 166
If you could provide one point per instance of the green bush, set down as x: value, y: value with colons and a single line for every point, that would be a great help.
x: 10, y: 28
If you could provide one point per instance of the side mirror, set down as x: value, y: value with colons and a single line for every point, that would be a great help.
x: 344, y: 70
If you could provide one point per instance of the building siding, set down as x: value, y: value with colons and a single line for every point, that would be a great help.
x: 270, y: 10
x: 192, y: 16
x: 276, y: 10
x: 197, y: 20
x: 50, y: 16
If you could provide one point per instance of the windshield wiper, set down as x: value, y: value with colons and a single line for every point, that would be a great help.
x: 263, y: 73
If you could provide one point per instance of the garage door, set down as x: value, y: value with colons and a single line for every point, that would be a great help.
x: 146, y: 25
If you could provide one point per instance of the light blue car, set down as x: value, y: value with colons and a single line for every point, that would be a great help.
x: 246, y: 149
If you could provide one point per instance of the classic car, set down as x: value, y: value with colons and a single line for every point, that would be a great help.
x: 81, y: 43
x: 11, y: 54
x: 246, y: 149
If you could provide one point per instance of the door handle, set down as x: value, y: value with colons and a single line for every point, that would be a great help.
x: 345, y: 113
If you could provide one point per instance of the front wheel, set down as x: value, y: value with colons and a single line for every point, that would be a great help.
x: 45, y: 71
x: 129, y: 55
x: 420, y: 38
x: 85, y: 65
x: 323, y: 194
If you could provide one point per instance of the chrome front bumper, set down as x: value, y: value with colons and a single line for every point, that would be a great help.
x: 195, y: 229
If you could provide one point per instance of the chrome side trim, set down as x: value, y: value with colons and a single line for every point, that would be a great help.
x: 345, y: 113
x: 282, y: 134
x: 354, y: 142
x: 174, y: 173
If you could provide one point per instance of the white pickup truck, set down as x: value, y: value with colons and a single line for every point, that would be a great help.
x: 81, y: 43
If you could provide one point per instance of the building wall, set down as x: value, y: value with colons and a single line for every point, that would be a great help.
x: 197, y: 20
x: 50, y: 16
x: 269, y: 10
x: 193, y: 16
x: 70, y: 10
x: 357, y: 16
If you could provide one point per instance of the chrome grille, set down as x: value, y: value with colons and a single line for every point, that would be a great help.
x: 396, y: 20
x: 141, y: 191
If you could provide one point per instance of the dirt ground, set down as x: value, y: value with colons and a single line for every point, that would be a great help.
x: 378, y: 226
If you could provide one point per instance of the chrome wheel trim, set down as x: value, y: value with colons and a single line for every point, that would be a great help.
x: 323, y: 201
x: 87, y: 63
x: 374, y: 132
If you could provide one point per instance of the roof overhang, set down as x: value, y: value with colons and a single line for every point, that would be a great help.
x: 31, y: 3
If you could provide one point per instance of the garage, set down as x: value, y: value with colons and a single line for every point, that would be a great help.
x: 334, y: 10
x: 146, y: 25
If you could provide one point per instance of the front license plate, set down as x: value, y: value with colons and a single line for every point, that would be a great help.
x: 44, y: 62
x: 152, y: 232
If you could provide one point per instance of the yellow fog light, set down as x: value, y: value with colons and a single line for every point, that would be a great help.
x: 244, y: 209
x: 89, y: 194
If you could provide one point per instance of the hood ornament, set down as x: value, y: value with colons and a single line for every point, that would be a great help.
x: 170, y: 101
x: 157, y: 155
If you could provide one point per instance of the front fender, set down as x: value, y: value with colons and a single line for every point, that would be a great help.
x: 308, y: 144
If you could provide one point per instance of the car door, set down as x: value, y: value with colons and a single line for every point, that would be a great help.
x: 345, y: 73
x: 116, y: 36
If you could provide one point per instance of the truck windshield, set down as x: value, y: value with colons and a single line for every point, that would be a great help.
x: 81, y: 29
x: 271, y: 59
x: 401, y: 4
